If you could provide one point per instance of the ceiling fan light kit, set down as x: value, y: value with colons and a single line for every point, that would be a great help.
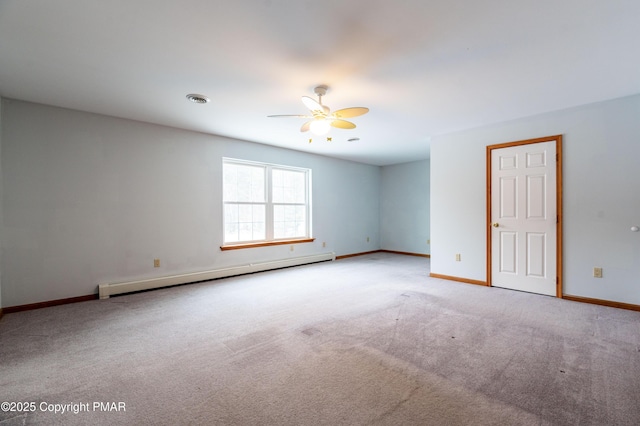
x: 321, y: 118
x: 320, y: 126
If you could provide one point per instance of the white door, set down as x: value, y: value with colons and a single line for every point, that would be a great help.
x: 524, y: 217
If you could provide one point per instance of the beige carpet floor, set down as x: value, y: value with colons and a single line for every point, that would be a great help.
x: 359, y: 341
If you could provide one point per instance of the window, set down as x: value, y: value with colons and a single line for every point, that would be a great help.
x: 265, y: 203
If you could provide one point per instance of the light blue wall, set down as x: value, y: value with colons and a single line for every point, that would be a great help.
x: 601, y: 196
x: 90, y: 199
x: 404, y: 207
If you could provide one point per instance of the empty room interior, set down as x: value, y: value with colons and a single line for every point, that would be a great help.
x: 304, y: 213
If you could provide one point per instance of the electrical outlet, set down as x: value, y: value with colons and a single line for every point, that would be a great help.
x: 367, y: 239
x: 597, y: 272
x: 428, y: 241
x: 291, y: 247
x: 458, y: 257
x: 324, y: 244
x: 156, y: 263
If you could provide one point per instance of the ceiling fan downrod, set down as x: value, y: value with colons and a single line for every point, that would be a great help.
x: 320, y: 91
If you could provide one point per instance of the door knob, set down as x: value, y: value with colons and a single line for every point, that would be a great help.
x: 495, y: 224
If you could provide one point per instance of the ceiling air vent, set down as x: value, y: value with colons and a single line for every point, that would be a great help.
x: 197, y: 99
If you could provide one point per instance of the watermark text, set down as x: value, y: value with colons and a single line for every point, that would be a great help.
x: 57, y: 408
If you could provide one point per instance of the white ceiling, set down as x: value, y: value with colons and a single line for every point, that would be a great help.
x: 423, y: 67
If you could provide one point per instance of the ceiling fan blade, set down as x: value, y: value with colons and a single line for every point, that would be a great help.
x: 313, y: 105
x: 306, y: 126
x: 289, y: 115
x: 350, y: 112
x: 343, y: 124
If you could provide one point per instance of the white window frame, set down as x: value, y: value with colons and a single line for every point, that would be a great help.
x: 269, y: 206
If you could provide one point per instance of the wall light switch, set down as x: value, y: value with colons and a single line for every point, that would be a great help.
x: 156, y: 263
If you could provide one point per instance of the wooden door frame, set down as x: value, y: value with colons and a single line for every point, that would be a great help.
x: 490, y: 148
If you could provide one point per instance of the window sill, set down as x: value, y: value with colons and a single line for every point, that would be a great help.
x: 266, y: 244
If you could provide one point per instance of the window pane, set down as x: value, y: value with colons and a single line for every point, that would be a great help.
x: 244, y: 183
x: 301, y: 213
x: 288, y: 186
x: 231, y: 223
x: 289, y: 221
x: 245, y: 232
x: 244, y: 222
x: 231, y: 233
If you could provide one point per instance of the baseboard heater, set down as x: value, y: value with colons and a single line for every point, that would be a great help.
x: 106, y: 290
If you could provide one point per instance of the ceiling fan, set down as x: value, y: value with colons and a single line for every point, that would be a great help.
x: 321, y: 118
